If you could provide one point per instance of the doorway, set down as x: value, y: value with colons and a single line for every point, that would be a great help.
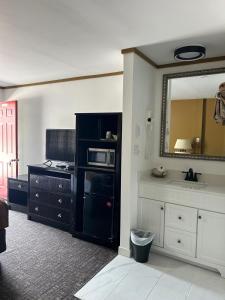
x: 8, y: 144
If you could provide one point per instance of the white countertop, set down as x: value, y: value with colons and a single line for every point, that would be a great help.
x: 210, y: 197
x: 170, y: 183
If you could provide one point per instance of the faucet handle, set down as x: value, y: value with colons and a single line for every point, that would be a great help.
x: 196, y: 176
x: 187, y: 175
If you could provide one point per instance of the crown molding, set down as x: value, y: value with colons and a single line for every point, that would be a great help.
x: 63, y: 80
x: 194, y: 62
x: 171, y: 65
x: 141, y: 54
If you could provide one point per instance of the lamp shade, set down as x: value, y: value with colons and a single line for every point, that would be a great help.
x: 183, y: 146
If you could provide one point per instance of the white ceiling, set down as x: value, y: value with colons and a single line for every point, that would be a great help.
x: 163, y: 53
x: 52, y: 39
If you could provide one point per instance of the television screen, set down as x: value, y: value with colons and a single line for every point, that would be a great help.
x: 60, y: 144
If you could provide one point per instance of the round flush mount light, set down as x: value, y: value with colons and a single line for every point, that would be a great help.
x: 189, y: 53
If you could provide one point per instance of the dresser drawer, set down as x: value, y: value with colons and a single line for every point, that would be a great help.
x: 50, y: 213
x: 181, y: 217
x: 38, y: 195
x: 61, y: 185
x: 39, y: 181
x: 50, y: 183
x: 18, y: 185
x: 180, y: 242
x: 43, y: 197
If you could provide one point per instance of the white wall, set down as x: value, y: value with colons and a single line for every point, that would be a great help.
x: 175, y: 163
x: 137, y: 100
x: 54, y: 105
x: 143, y: 91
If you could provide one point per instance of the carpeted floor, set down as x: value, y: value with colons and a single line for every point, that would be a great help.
x: 43, y: 263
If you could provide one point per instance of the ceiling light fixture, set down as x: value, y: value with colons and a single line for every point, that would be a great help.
x: 189, y: 53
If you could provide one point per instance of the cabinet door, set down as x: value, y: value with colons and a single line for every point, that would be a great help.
x: 100, y: 183
x: 98, y: 216
x: 152, y: 218
x: 211, y: 238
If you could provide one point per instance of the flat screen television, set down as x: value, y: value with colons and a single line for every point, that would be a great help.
x: 60, y: 144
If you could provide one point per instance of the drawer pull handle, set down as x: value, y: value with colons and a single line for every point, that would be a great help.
x: 162, y: 208
x: 180, y: 218
x: 179, y: 241
x: 60, y: 186
x: 37, y: 181
x: 36, y: 208
x: 19, y: 186
x: 60, y: 201
x: 59, y: 216
x: 37, y: 195
x: 200, y: 217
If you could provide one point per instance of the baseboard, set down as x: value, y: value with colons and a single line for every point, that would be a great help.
x: 124, y: 252
x: 189, y: 260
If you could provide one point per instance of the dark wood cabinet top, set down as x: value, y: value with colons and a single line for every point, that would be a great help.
x: 23, y: 177
x: 45, y: 168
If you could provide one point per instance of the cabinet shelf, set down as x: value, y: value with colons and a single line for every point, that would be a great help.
x: 97, y: 140
x: 110, y: 170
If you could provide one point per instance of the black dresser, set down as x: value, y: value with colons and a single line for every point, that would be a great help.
x: 50, y: 196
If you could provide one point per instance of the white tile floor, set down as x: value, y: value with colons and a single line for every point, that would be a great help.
x: 161, y: 278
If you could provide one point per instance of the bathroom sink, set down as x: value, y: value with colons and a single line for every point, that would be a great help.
x: 188, y: 184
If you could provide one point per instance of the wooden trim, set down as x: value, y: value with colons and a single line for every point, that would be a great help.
x: 171, y: 65
x: 139, y: 53
x: 63, y: 80
x: 200, y: 61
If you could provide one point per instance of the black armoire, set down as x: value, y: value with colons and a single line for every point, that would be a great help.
x: 97, y: 182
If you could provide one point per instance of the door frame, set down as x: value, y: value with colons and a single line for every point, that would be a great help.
x: 16, y: 134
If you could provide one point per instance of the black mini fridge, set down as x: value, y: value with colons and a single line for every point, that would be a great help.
x: 98, y: 205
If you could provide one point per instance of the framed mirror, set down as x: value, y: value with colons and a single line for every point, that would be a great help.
x: 193, y: 115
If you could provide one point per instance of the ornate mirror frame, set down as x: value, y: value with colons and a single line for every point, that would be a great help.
x: 166, y: 78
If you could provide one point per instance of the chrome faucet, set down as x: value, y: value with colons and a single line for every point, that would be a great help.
x: 191, y: 175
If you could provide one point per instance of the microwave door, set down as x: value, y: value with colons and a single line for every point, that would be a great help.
x: 97, y: 157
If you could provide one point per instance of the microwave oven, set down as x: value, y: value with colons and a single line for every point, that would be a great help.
x: 101, y: 157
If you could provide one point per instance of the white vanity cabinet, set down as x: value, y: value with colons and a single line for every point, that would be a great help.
x: 211, y: 237
x: 189, y: 224
x: 180, y: 229
x: 152, y: 218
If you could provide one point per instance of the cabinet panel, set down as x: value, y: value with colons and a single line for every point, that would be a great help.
x: 54, y: 214
x: 18, y: 185
x: 58, y: 200
x: 178, y: 241
x: 50, y: 183
x: 181, y: 217
x: 152, y: 218
x: 211, y: 241
x: 99, y: 183
x: 98, y: 214
x: 39, y: 181
x: 59, y: 185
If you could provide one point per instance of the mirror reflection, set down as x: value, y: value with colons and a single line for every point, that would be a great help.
x: 194, y: 122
